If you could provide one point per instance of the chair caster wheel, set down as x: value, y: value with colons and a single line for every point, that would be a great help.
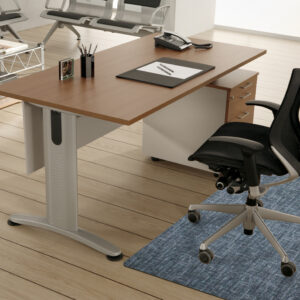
x: 288, y: 269
x: 155, y: 159
x: 206, y: 256
x: 115, y: 258
x: 11, y: 223
x: 260, y: 203
x: 248, y: 231
x: 193, y: 216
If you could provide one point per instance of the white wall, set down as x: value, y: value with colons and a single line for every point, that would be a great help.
x: 189, y: 17
x: 272, y: 16
x: 32, y: 9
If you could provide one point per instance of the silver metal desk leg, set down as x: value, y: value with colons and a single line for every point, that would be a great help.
x: 60, y: 152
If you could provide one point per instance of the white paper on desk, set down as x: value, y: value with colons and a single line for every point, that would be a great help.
x: 179, y: 71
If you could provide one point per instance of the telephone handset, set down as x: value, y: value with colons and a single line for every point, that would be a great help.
x: 174, y: 41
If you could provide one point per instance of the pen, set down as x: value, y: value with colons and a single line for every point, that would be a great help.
x: 160, y: 68
x: 80, y: 50
x: 167, y: 68
x: 95, y: 49
x: 90, y: 49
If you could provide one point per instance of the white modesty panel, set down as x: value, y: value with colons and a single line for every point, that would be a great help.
x: 88, y: 130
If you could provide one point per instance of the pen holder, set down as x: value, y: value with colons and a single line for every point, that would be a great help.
x: 87, y: 65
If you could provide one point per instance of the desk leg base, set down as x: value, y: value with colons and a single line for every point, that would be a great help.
x: 79, y: 235
x: 156, y: 159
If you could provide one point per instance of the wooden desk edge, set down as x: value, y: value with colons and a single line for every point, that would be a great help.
x: 131, y: 121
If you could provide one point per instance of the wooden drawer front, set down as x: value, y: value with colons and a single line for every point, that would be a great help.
x: 237, y: 109
x: 240, y: 111
x: 245, y: 118
x: 244, y: 90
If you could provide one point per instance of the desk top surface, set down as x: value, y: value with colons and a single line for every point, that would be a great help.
x: 119, y: 100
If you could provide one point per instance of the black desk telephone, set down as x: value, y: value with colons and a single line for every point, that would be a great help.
x: 174, y: 41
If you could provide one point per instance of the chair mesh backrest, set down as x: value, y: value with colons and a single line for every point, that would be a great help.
x: 285, y: 129
x: 91, y: 7
x: 7, y: 5
x: 140, y: 11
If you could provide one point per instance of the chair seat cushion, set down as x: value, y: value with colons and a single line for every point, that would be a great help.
x: 65, y: 14
x: 218, y: 154
x: 117, y: 23
x: 149, y: 3
x: 6, y: 17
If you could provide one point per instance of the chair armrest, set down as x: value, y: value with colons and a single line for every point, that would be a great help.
x: 163, y: 8
x: 48, y: 5
x: 274, y: 107
x: 244, y: 144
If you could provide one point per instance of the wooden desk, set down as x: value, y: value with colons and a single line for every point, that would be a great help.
x: 60, y: 116
x: 122, y: 101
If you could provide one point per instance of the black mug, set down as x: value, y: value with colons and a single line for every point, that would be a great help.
x: 87, y: 65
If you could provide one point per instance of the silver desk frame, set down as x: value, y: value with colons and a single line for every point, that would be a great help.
x: 41, y: 124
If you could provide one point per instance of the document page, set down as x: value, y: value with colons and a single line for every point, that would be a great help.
x: 170, y: 70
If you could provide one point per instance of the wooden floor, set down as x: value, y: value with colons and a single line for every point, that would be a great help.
x: 123, y: 196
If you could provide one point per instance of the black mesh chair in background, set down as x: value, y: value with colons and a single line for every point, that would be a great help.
x: 240, y: 153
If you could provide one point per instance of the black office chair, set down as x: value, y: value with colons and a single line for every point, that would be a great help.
x: 240, y: 153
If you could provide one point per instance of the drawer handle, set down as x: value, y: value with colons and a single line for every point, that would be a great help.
x: 244, y: 115
x: 246, y: 96
x: 249, y: 84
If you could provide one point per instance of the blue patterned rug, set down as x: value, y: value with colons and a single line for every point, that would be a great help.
x: 244, y: 267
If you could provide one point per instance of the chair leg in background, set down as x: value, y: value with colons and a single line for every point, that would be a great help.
x: 72, y: 28
x: 51, y: 31
x: 13, y: 33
